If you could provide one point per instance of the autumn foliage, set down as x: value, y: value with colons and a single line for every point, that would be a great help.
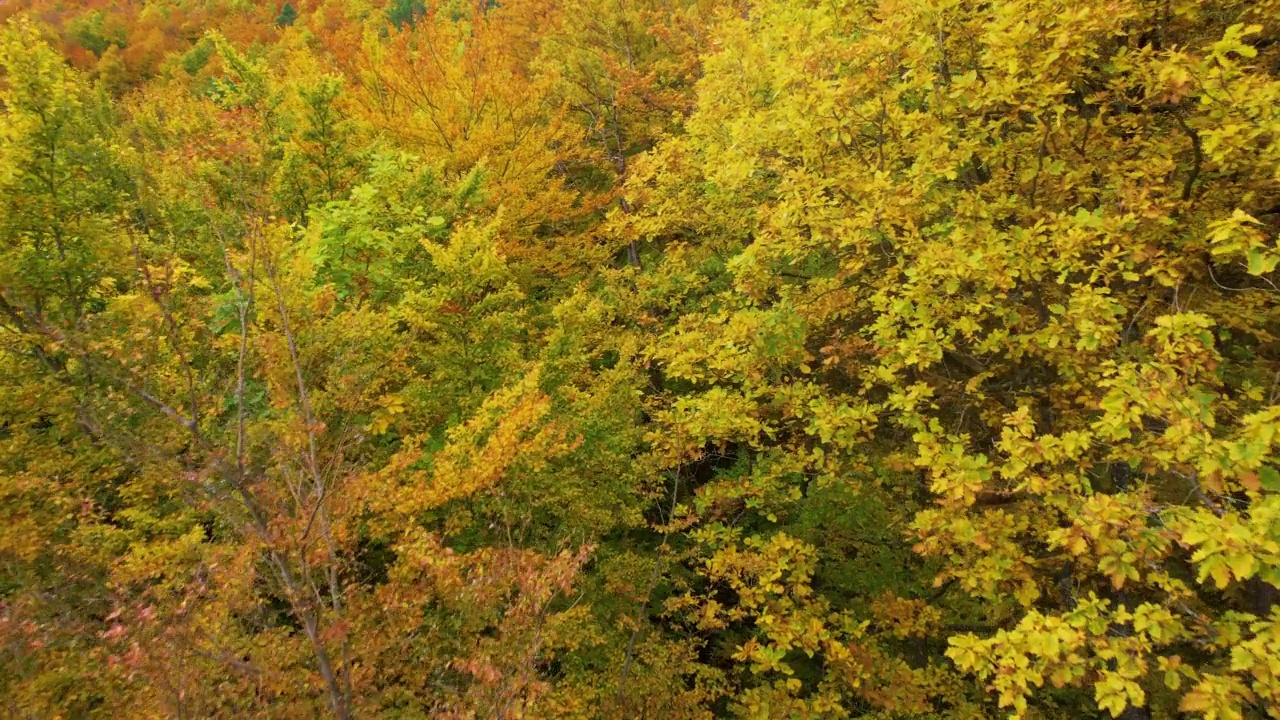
x: 665, y: 359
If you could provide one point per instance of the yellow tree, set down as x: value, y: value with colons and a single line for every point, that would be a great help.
x: 1011, y: 265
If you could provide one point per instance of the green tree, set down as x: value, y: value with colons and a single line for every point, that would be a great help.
x: 288, y: 14
x: 405, y: 13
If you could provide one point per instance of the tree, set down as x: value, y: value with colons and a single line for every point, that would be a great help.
x: 218, y: 413
x: 288, y: 14
x: 683, y: 360
x: 1009, y: 265
x: 405, y: 13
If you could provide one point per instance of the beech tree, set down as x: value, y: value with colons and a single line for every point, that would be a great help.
x: 1011, y: 266
x: 676, y: 359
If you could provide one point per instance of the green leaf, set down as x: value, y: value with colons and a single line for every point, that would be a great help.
x: 1270, y: 478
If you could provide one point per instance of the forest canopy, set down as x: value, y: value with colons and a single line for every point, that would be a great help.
x: 662, y: 359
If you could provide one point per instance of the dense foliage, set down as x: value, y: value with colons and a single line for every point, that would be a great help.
x: 667, y: 359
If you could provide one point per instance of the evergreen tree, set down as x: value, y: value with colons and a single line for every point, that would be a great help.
x: 287, y: 15
x: 405, y: 13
